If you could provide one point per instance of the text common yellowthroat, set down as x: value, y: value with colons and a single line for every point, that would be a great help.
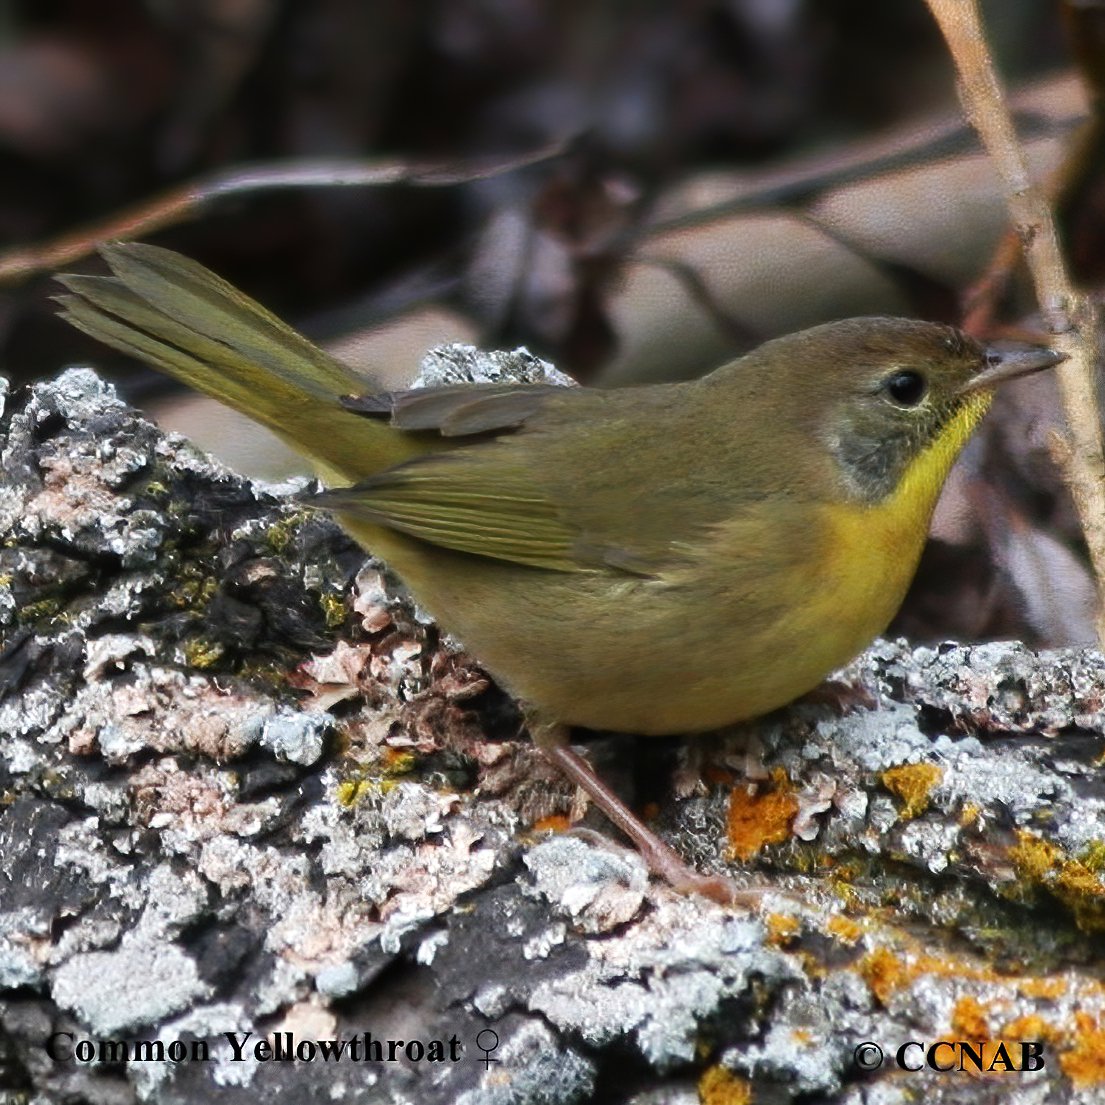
x: 656, y: 560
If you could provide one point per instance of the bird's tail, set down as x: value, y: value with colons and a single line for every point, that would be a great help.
x: 182, y: 319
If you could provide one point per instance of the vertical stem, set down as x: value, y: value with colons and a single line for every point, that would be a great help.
x: 1069, y: 314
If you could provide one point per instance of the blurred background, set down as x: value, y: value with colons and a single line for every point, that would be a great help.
x: 636, y: 191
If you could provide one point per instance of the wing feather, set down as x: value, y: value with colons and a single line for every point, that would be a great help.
x: 508, y: 494
x: 447, y: 501
x: 457, y: 411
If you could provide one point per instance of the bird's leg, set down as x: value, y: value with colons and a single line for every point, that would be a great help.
x: 662, y: 860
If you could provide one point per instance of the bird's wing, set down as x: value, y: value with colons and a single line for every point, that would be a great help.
x: 455, y: 500
x: 534, y: 484
x: 565, y: 479
x: 453, y: 411
x: 449, y: 501
x: 487, y: 500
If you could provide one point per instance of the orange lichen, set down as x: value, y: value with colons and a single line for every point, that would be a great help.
x: 755, y: 819
x: 1076, y: 885
x: 912, y: 785
x: 1033, y: 857
x: 719, y: 1086
x: 844, y: 888
x: 782, y: 929
x: 1084, y: 1063
x: 970, y: 1020
x: 888, y: 970
x: 884, y: 972
x: 1050, y: 988
x: 970, y: 814
x: 983, y: 1054
x: 554, y: 823
x: 1031, y: 1026
x: 845, y: 930
x: 398, y: 761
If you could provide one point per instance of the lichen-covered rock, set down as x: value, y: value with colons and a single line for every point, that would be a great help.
x: 259, y: 820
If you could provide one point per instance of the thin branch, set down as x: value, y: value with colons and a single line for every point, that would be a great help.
x: 1068, y: 313
x: 186, y: 200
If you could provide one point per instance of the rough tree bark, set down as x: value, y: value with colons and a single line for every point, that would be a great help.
x: 246, y: 788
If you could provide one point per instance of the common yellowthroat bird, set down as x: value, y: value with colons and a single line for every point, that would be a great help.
x: 654, y: 560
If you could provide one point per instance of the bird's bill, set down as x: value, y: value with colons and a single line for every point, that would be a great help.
x: 1008, y: 364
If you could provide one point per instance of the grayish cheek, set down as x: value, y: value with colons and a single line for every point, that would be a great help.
x: 870, y: 463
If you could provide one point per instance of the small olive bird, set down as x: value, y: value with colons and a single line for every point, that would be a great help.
x: 653, y: 560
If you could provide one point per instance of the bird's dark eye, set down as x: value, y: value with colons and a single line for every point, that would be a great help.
x: 906, y: 388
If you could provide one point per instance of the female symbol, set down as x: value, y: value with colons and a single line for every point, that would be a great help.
x: 488, y: 1048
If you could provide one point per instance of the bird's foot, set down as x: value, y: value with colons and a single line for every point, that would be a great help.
x: 661, y: 859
